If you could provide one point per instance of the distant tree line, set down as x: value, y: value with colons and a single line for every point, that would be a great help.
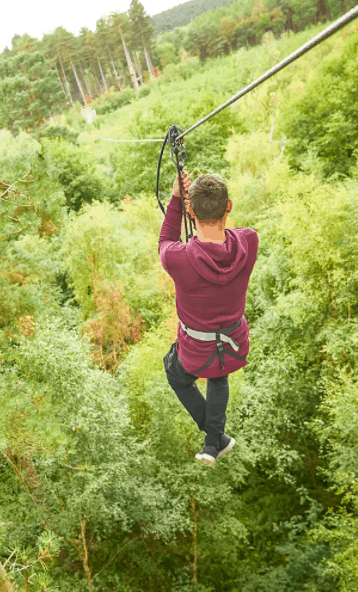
x: 38, y: 78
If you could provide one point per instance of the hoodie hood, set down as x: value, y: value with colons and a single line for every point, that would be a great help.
x: 219, y: 263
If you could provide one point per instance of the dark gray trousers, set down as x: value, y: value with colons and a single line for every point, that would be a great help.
x: 209, y: 413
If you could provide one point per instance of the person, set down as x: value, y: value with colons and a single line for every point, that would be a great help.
x: 211, y: 274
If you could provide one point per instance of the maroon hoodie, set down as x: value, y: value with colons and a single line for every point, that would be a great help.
x: 211, y: 281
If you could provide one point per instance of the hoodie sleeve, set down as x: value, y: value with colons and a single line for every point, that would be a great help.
x: 253, y: 243
x: 169, y: 237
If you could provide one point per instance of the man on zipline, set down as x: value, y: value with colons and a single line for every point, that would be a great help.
x: 211, y: 275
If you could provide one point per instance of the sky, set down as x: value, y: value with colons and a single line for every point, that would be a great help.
x: 40, y: 17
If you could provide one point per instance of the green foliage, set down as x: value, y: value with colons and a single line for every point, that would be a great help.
x: 179, y: 16
x: 82, y: 470
x: 322, y: 119
x: 17, y: 155
x: 74, y: 168
x: 205, y: 41
x: 57, y: 131
x: 336, y: 430
x: 136, y: 167
x: 180, y: 71
x: 167, y: 54
x: 97, y: 467
x: 29, y: 566
x: 144, y: 91
x: 103, y: 244
x: 114, y: 101
x: 29, y: 91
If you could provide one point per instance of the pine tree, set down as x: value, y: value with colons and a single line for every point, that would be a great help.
x: 30, y: 92
x: 141, y: 32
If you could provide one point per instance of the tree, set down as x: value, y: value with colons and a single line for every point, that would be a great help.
x: 89, y: 54
x: 228, y: 30
x: 141, y: 32
x: 25, y: 43
x: 202, y: 40
x: 140, y: 26
x: 121, y: 28
x: 304, y: 13
x: 257, y: 9
x: 167, y: 54
x: 30, y: 92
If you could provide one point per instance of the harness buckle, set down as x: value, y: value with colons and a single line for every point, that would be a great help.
x: 220, y: 349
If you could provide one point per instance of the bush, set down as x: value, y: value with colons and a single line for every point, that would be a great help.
x: 144, y: 91
x: 75, y: 169
x: 115, y: 101
x: 322, y: 119
x: 55, y: 131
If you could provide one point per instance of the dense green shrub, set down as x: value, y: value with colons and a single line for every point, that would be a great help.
x: 115, y: 101
x: 76, y: 170
x: 322, y: 120
x: 56, y: 131
x: 144, y: 90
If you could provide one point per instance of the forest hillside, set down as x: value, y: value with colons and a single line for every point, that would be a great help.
x: 100, y: 489
x: 182, y: 14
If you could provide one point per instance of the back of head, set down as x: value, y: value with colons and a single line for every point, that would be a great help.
x: 208, y: 197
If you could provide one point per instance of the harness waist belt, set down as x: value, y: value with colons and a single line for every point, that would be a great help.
x: 218, y: 336
x: 211, y: 336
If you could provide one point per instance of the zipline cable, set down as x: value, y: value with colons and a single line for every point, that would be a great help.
x: 112, y: 140
x: 176, y: 140
x: 338, y: 24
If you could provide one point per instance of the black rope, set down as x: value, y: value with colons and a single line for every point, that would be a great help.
x: 158, y: 172
x: 338, y: 24
x: 180, y: 168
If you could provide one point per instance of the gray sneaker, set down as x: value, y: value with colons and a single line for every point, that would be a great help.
x: 226, y: 443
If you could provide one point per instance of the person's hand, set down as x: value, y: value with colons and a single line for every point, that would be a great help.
x: 185, y: 184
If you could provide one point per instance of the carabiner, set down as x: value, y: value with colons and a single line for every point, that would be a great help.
x: 176, y: 146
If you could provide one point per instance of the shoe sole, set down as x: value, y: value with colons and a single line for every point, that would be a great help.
x: 206, y: 459
x: 228, y: 447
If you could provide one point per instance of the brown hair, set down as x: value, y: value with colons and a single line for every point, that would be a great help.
x: 208, y: 197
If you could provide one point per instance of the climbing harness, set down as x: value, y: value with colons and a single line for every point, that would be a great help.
x: 218, y: 336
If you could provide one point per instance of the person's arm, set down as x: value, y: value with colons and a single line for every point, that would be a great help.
x: 171, y: 226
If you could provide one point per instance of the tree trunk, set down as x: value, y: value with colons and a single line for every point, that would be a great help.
x: 130, y: 66
x: 78, y: 84
x: 95, y: 80
x: 322, y: 11
x: 86, y: 83
x: 103, y: 78
x: 60, y: 81
x: 65, y: 79
x: 149, y: 63
x: 137, y: 65
x: 114, y: 69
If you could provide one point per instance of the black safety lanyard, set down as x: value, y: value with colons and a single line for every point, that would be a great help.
x: 176, y: 147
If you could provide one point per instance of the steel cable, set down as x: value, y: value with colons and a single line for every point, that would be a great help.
x: 327, y: 32
x: 338, y: 24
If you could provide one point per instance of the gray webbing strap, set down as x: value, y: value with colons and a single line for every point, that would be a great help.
x: 211, y: 336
